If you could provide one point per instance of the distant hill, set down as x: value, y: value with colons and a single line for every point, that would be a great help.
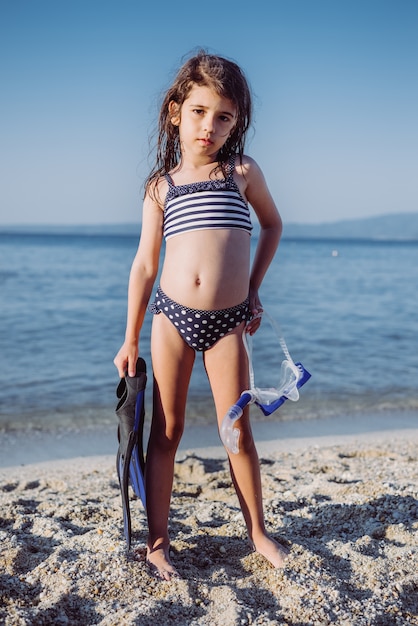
x: 401, y: 227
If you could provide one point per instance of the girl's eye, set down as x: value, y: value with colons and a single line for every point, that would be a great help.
x: 198, y: 111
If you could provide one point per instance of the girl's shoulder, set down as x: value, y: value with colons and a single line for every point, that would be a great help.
x: 244, y: 161
x: 246, y: 165
x: 247, y: 171
x: 156, y: 191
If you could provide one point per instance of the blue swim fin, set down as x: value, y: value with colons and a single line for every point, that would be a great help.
x: 130, y: 464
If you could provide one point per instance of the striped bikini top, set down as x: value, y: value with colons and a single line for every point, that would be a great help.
x: 210, y: 204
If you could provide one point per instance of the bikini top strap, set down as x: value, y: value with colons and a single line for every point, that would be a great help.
x: 231, y: 167
x: 169, y: 180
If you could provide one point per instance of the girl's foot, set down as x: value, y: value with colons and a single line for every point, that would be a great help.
x: 274, y: 552
x: 159, y: 563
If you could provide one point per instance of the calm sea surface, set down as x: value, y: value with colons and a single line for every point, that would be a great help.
x: 347, y: 309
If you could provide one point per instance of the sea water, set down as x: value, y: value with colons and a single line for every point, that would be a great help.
x: 347, y: 310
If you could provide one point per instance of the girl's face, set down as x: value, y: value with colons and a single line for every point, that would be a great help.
x: 205, y: 121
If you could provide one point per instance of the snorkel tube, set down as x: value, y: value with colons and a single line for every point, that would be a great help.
x: 230, y: 435
x: 292, y: 377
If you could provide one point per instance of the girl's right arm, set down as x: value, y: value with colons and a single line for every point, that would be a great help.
x: 141, y: 280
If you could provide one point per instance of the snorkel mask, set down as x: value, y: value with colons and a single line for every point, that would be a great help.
x: 292, y: 377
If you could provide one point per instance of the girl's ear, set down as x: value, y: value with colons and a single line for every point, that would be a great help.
x: 174, y: 113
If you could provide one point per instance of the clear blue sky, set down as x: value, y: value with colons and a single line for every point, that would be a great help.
x: 336, y: 101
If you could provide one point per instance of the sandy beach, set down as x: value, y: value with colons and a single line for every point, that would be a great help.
x: 345, y: 503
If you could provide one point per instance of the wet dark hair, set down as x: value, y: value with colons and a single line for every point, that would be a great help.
x: 228, y: 80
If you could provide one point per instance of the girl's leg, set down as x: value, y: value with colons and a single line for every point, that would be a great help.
x: 172, y: 362
x: 227, y: 368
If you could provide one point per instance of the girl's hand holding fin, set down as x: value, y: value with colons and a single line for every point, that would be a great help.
x: 125, y: 360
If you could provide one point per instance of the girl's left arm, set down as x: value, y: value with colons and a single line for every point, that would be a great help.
x: 259, y: 196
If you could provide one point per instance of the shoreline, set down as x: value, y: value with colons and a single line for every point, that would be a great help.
x: 22, y: 448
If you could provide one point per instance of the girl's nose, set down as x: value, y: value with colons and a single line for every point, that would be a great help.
x: 208, y: 124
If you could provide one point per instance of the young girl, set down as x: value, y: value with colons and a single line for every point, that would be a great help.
x: 197, y: 199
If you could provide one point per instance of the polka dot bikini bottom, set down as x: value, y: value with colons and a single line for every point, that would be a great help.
x: 199, y: 329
